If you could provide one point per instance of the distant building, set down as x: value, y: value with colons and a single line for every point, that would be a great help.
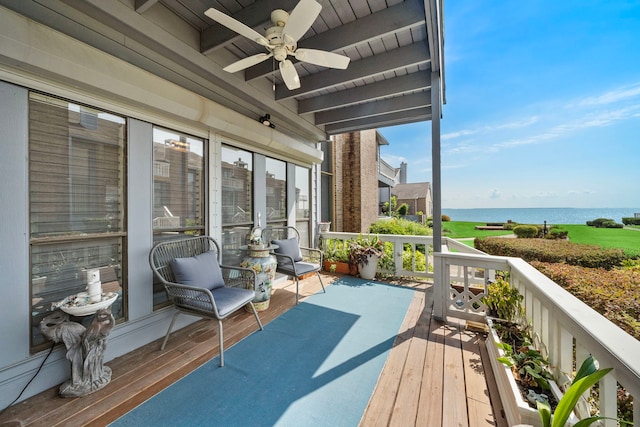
x: 416, y: 195
x: 351, y: 174
x: 357, y: 182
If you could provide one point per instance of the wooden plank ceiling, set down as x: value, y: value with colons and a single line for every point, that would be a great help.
x: 393, y: 45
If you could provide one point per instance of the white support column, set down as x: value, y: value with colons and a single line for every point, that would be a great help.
x: 439, y: 304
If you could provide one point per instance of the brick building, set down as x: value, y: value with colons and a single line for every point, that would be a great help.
x: 352, y: 163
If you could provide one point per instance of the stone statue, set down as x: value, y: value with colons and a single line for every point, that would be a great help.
x: 85, y: 350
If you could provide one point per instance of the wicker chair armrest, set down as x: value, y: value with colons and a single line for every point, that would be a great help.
x: 311, y: 255
x: 238, y: 277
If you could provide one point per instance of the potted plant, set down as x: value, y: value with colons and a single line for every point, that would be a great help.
x: 365, y: 252
x: 336, y: 256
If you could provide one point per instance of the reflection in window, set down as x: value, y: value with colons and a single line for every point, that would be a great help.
x: 178, y: 191
x: 237, y: 202
x: 76, y: 203
x: 276, y: 179
x: 303, y: 201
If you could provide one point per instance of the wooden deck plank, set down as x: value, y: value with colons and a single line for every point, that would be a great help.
x: 453, y: 392
x: 478, y: 402
x: 431, y: 396
x: 407, y: 400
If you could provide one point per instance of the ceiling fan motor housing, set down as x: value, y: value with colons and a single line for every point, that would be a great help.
x: 279, y: 17
x: 279, y: 47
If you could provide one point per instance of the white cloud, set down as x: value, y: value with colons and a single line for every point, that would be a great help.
x: 491, y: 128
x: 494, y: 194
x: 610, y: 97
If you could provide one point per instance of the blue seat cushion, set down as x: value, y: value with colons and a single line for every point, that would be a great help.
x: 301, y: 268
x: 229, y: 300
x: 201, y: 270
x: 289, y: 247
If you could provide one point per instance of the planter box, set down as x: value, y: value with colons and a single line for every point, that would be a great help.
x: 516, y: 409
x: 341, y: 267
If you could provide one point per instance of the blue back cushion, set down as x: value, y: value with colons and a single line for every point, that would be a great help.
x: 289, y: 247
x: 201, y: 270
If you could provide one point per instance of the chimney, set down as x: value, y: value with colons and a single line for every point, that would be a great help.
x: 403, y: 173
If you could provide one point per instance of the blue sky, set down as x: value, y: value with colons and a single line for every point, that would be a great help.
x: 543, y: 106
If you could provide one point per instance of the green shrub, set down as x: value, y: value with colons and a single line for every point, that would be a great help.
x: 403, y: 209
x: 399, y: 226
x: 446, y: 218
x: 631, y: 221
x: 420, y: 260
x: 561, y: 251
x: 510, y: 225
x: 612, y: 293
x: 604, y: 223
x: 526, y: 231
x: 557, y: 233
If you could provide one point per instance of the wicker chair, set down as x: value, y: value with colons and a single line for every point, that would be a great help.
x: 293, y: 260
x: 208, y: 289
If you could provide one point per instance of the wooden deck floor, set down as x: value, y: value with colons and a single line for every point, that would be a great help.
x: 434, y: 376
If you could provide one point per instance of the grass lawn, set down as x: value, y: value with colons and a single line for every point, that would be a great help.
x: 462, y: 229
x: 626, y: 239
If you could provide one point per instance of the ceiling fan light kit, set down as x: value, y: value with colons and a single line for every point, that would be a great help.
x: 281, y: 41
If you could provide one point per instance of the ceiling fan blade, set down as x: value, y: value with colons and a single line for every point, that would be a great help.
x: 237, y: 26
x: 323, y: 58
x: 247, y: 62
x: 289, y: 74
x: 301, y: 18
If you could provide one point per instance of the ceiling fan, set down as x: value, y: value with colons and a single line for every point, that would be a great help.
x: 281, y: 41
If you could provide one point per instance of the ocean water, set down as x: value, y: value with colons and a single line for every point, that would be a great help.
x: 539, y: 215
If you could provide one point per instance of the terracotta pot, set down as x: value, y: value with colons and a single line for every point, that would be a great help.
x: 341, y: 267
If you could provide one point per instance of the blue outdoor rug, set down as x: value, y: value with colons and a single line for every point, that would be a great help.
x: 316, y: 365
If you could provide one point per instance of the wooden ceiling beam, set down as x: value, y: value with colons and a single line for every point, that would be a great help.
x: 142, y: 5
x: 385, y: 88
x: 375, y: 108
x: 397, y: 59
x: 375, y: 122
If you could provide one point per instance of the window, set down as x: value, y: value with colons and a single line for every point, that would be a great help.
x: 237, y: 202
x: 178, y: 191
x: 276, y: 185
x: 303, y: 201
x: 76, y: 204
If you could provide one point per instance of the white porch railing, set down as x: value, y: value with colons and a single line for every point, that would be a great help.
x: 566, y: 329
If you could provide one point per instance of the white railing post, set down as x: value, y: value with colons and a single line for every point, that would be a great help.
x: 440, y: 285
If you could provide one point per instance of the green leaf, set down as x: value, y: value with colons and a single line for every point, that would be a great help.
x: 588, y: 367
x: 544, y: 410
x: 588, y: 421
x: 506, y: 361
x: 572, y: 395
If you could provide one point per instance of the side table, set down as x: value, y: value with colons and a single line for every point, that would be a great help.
x: 85, y: 346
x: 264, y: 263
